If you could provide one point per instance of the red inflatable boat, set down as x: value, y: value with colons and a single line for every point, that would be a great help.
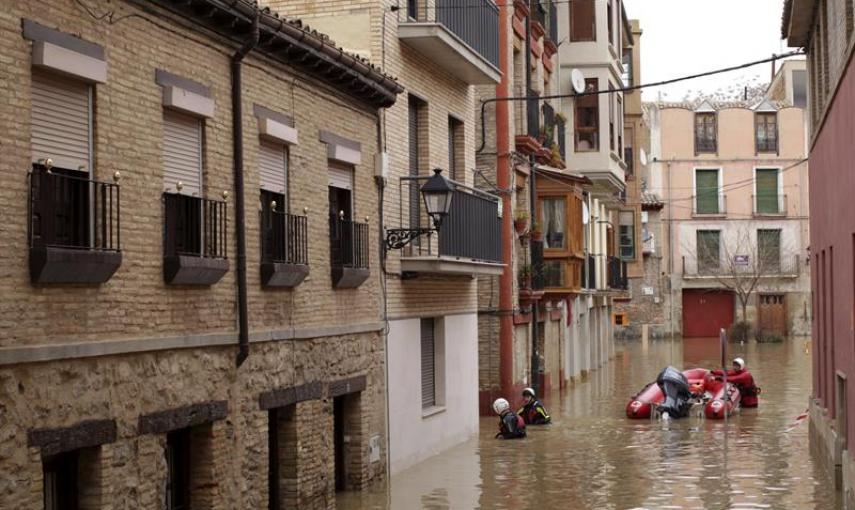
x: 724, y: 401
x: 641, y: 405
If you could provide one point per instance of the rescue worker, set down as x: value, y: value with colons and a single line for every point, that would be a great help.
x: 511, y: 425
x: 742, y: 379
x: 533, y: 412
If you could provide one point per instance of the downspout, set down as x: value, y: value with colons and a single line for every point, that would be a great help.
x: 503, y: 181
x: 535, y: 356
x: 240, y: 216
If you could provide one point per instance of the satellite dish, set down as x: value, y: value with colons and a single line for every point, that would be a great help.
x: 586, y: 216
x: 642, y: 156
x: 577, y: 80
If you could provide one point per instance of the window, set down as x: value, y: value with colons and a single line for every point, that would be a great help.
x: 415, y: 137
x: 455, y: 150
x: 583, y: 22
x: 178, y: 469
x: 60, y: 481
x: 769, y: 250
x: 628, y: 155
x: 766, y: 183
x: 707, y: 192
x: 611, y: 21
x: 553, y: 274
x: 182, y: 153
x: 708, y: 248
x: 611, y: 97
x: 412, y: 9
x: 342, y: 247
x: 766, y: 132
x: 620, y: 319
x: 705, y: 132
x: 620, y: 125
x: 428, y: 362
x: 554, y: 223
x: 627, y: 77
x: 587, y: 118
x: 627, y: 235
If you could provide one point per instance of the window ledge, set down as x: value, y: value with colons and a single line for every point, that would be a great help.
x: 709, y: 215
x: 432, y: 411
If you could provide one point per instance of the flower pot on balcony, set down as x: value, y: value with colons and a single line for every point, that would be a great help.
x: 536, y: 236
x: 520, y: 226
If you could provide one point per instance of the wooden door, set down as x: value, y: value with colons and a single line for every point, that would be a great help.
x: 772, y: 313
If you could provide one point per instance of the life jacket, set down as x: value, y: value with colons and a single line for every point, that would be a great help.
x: 535, y: 414
x: 511, y: 426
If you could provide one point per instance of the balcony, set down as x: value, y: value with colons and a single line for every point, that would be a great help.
x: 464, y: 41
x: 284, y: 249
x: 783, y: 267
x: 563, y: 276
x: 589, y: 273
x: 771, y: 204
x: 349, y: 246
x: 704, y: 206
x: 194, y: 240
x: 74, y: 228
x: 469, y: 242
x: 617, y: 275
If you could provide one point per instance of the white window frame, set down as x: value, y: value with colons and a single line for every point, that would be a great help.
x: 719, y: 191
x: 780, y: 170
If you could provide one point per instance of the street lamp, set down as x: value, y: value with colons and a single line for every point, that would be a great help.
x: 437, y: 193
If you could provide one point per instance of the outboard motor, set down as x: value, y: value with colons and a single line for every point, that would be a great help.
x: 675, y: 387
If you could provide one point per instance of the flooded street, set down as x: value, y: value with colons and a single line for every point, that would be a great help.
x: 592, y: 457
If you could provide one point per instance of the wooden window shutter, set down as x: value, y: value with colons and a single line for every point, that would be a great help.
x: 706, y: 191
x: 61, y: 120
x: 428, y: 350
x: 583, y: 20
x: 273, y: 167
x: 182, y: 152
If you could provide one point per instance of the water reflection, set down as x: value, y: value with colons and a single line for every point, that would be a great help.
x: 592, y: 457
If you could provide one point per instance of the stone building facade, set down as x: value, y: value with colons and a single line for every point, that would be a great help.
x: 121, y: 389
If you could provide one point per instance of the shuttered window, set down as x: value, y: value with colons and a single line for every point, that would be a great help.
x: 768, y: 201
x: 769, y: 250
x: 273, y: 167
x: 61, y: 120
x: 428, y: 349
x: 706, y: 192
x: 709, y: 250
x: 583, y: 25
x: 414, y: 106
x: 182, y: 152
x: 340, y: 176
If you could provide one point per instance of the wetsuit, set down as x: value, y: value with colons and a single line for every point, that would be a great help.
x: 743, y: 380
x: 511, y: 426
x: 534, y: 413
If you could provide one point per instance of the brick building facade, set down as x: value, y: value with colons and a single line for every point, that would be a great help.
x: 122, y: 387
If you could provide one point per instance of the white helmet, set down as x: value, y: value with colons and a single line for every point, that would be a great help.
x: 501, y: 405
x: 740, y: 362
x: 528, y: 392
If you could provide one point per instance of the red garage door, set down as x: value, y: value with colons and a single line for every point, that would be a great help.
x: 705, y: 312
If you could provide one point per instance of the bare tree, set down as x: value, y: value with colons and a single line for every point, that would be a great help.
x: 738, y: 261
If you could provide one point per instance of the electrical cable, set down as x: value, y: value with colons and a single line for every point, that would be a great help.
x: 484, y: 102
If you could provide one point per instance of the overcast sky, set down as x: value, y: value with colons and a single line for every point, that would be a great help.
x: 683, y: 37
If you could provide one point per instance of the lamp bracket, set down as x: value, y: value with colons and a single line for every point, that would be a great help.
x: 397, y: 238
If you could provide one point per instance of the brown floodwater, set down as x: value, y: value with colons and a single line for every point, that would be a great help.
x: 593, y: 457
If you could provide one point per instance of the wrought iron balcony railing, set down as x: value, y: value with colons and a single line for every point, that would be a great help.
x: 746, y: 267
x: 194, y: 226
x: 284, y: 238
x: 769, y: 204
x: 617, y: 275
x: 709, y: 204
x: 475, y: 22
x: 472, y: 229
x: 349, y: 243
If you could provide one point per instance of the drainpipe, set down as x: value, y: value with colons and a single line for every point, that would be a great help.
x: 535, y: 357
x: 240, y: 216
x: 503, y: 180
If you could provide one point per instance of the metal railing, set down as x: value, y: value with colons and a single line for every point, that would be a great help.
x: 533, y: 114
x: 562, y: 140
x: 549, y: 125
x: 349, y: 243
x: 66, y: 211
x: 589, y: 273
x: 476, y: 23
x: 617, y: 277
x: 194, y: 226
x: 284, y: 238
x: 472, y: 229
x: 538, y: 11
x: 552, y: 21
x: 629, y: 159
x: 785, y: 266
x: 772, y: 204
x: 703, y: 210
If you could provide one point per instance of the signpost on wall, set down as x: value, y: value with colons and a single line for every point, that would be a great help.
x: 741, y: 260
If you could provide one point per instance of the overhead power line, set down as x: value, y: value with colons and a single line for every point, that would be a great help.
x: 766, y: 60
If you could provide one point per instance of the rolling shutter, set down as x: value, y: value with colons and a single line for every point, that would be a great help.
x: 428, y: 349
x: 341, y: 176
x: 61, y: 113
x: 182, y: 152
x: 273, y: 167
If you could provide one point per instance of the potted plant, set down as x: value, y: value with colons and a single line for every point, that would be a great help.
x: 520, y: 221
x: 536, y: 232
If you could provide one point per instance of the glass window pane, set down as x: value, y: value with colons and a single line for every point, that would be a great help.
x: 554, y: 223
x: 708, y: 247
x: 553, y: 273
